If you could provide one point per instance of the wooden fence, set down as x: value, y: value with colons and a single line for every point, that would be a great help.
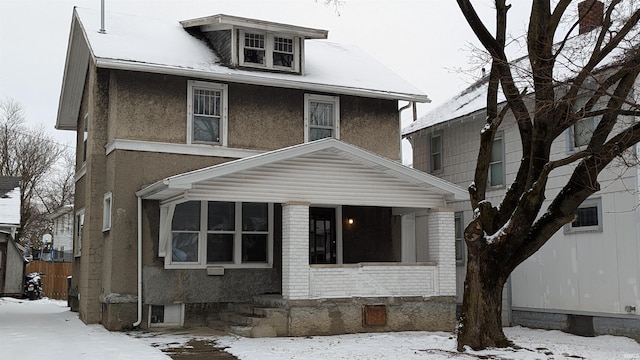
x: 54, y: 278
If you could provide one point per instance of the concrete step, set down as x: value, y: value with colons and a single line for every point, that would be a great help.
x: 270, y: 300
x: 241, y: 319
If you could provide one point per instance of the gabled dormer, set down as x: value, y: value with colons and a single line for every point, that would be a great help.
x: 256, y: 44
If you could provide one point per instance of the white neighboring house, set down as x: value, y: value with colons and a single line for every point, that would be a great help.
x: 10, y: 204
x: 62, y: 231
x: 586, y: 278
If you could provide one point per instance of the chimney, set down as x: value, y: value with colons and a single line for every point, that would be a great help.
x: 590, y: 13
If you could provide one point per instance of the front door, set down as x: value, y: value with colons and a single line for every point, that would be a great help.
x: 322, y: 235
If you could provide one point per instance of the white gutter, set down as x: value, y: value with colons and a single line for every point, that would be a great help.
x: 255, y: 80
x: 139, y: 321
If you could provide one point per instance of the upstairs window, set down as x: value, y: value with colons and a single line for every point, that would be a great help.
x: 582, y: 131
x: 435, y: 152
x: 496, y: 161
x: 322, y: 117
x: 207, y: 113
x: 269, y: 51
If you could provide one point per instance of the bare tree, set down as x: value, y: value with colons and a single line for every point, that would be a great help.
x: 592, y: 78
x: 27, y: 153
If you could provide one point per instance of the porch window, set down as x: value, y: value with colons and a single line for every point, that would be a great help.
x: 221, y: 233
x: 321, y: 117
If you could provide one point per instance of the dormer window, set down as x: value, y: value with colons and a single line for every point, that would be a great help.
x: 256, y: 44
x: 269, y: 51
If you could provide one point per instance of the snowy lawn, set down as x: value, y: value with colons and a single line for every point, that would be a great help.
x: 47, y: 329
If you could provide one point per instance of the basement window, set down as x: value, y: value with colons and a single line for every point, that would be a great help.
x: 166, y: 315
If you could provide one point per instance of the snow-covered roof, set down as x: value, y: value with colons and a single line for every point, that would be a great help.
x: 161, y: 46
x: 574, y: 56
x: 9, y: 200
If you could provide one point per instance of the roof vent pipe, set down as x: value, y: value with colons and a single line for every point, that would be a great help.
x: 102, y: 30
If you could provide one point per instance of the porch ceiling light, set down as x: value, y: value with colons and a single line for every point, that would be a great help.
x: 350, y: 221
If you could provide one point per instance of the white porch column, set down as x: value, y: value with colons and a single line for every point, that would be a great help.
x: 442, y: 248
x: 295, y: 250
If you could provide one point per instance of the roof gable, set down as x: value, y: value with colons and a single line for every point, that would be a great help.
x: 9, y: 200
x: 323, y: 171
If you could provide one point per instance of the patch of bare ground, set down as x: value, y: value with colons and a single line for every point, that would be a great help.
x: 199, y: 350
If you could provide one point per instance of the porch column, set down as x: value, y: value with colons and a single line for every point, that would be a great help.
x: 442, y: 248
x: 295, y: 250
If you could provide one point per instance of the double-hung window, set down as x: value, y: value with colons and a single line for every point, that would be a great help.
x: 496, y: 161
x: 221, y: 233
x: 321, y: 117
x: 207, y: 113
x: 106, y: 211
x: 435, y: 152
x: 582, y: 131
x: 269, y: 51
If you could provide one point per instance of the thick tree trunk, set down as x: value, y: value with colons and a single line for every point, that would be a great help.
x: 481, y: 320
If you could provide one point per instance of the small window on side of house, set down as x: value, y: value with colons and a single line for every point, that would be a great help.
x: 207, y: 113
x: 435, y: 152
x: 321, y: 117
x: 496, y: 161
x: 459, y: 236
x: 85, y: 136
x: 106, y: 211
x: 77, y: 246
x: 588, y: 217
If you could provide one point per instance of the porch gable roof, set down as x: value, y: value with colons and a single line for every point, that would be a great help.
x: 323, y: 171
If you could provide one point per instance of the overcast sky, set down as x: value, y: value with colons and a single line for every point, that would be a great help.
x: 423, y: 41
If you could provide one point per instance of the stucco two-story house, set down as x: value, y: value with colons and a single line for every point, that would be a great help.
x: 239, y: 171
x: 585, y: 278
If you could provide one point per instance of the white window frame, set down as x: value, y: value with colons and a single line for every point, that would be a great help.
x: 167, y: 238
x: 269, y: 45
x: 85, y: 137
x: 594, y: 202
x: 503, y: 180
x: 224, y: 89
x: 335, y: 100
x: 432, y: 168
x: 107, y: 205
x: 79, y: 231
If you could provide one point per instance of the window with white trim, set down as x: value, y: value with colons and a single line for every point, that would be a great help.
x: 269, y: 51
x: 496, y: 161
x: 221, y: 233
x: 588, y: 217
x: 321, y: 117
x: 459, y: 236
x: 77, y: 246
x: 207, y: 113
x: 581, y: 132
x: 106, y: 212
x: 85, y: 136
x: 435, y: 152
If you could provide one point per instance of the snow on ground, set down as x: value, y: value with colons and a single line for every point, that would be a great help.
x: 47, y: 329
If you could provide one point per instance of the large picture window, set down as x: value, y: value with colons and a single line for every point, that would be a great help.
x: 322, y: 117
x: 207, y: 113
x: 221, y: 233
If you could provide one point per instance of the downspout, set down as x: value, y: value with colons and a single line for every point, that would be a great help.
x: 409, y: 104
x: 139, y: 321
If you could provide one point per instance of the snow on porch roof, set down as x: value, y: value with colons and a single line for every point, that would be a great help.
x: 323, y: 171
